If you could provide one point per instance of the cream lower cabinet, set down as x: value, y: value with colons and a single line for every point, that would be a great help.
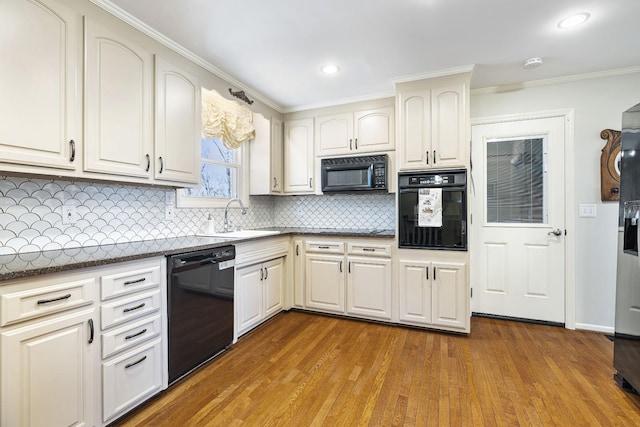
x: 82, y: 347
x: 49, y: 338
x: 298, y: 274
x: 133, y: 364
x: 356, y: 282
x: 325, y: 282
x: 369, y: 287
x: 260, y: 279
x: 260, y: 290
x: 433, y: 294
x: 48, y: 372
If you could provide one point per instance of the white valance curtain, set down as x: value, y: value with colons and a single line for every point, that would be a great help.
x: 226, y: 120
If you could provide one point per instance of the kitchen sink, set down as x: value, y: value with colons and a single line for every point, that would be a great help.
x: 242, y: 234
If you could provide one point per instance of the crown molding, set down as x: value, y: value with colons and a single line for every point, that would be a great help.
x: 341, y: 101
x: 432, y: 74
x: 555, y: 80
x: 162, y: 39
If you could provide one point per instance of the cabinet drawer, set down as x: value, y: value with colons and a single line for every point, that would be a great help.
x: 125, y: 309
x: 114, y: 285
x: 130, y: 379
x: 324, y: 247
x: 130, y: 335
x: 31, y: 303
x: 375, y: 249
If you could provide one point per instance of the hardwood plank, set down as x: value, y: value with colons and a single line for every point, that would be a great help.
x: 312, y: 370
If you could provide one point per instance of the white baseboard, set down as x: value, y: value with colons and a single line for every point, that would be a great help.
x: 595, y: 328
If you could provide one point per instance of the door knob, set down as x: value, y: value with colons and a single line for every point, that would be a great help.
x: 556, y: 232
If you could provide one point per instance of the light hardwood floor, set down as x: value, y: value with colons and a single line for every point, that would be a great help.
x: 302, y: 369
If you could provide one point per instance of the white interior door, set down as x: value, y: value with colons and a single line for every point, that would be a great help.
x: 518, y: 228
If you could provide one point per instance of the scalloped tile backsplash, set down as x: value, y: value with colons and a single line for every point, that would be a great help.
x: 31, y: 214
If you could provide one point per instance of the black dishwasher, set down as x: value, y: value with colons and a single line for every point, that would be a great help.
x: 200, y: 307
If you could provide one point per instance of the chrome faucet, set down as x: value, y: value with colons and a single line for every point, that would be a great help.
x: 243, y: 211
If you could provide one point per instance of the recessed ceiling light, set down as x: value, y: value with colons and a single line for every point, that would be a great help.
x: 532, y: 63
x: 330, y: 69
x: 574, y: 20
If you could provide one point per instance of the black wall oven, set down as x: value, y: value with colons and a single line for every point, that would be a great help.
x: 432, y: 209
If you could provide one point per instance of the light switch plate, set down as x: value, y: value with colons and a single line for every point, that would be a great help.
x: 587, y: 211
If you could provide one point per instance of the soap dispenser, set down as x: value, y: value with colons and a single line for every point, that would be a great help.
x: 209, y: 226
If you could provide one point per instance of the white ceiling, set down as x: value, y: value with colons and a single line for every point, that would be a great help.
x: 276, y: 48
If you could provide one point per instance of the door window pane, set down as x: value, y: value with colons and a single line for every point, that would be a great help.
x: 516, y: 181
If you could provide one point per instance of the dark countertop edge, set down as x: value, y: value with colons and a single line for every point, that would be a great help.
x: 205, y: 243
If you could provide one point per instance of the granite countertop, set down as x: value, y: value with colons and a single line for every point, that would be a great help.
x: 28, y: 264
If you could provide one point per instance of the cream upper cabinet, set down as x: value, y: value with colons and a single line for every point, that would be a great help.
x: 374, y: 130
x: 40, y: 87
x: 352, y: 133
x: 433, y: 125
x: 118, y: 108
x: 334, y: 134
x: 298, y: 156
x: 178, y: 124
x: 265, y: 157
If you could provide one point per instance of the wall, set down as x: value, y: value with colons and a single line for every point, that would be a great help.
x: 31, y: 214
x: 598, y: 104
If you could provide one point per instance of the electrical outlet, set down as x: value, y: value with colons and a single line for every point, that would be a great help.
x: 69, y: 214
x: 169, y: 213
x: 587, y: 210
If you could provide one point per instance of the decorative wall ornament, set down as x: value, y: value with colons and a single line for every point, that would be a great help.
x: 610, y: 166
x: 240, y: 95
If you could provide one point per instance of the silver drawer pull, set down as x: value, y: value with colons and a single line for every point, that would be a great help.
x: 130, y: 365
x: 368, y: 250
x: 137, y: 307
x: 128, y: 337
x: 47, y: 301
x: 132, y: 282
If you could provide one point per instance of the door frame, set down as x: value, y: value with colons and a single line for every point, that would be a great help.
x: 569, y: 200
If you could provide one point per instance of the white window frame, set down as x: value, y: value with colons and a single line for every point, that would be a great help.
x: 184, y: 201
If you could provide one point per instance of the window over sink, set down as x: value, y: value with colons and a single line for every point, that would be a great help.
x: 222, y: 176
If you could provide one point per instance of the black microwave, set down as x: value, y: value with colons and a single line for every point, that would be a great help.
x: 364, y: 173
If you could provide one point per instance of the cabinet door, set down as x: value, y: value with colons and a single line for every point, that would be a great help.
x: 40, y: 85
x: 374, y: 130
x: 298, y: 274
x: 415, y: 292
x: 273, y: 286
x: 450, y: 302
x: 118, y: 87
x: 449, y: 133
x: 298, y: 156
x: 369, y: 287
x: 249, y: 294
x: 178, y: 124
x: 276, y: 156
x: 47, y: 372
x: 325, y: 282
x: 334, y: 134
x: 265, y: 157
x: 415, y: 129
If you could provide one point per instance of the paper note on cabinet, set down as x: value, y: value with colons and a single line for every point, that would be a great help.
x: 430, y: 207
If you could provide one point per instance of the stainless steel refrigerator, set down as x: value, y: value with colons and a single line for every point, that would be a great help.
x: 626, y: 346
